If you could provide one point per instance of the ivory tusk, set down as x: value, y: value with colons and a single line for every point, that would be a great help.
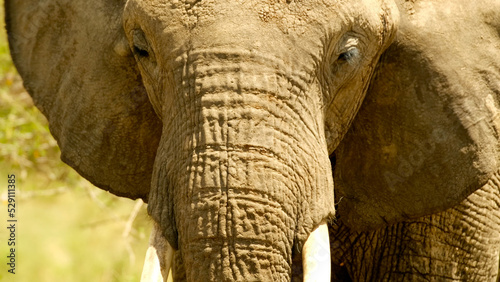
x: 159, y: 257
x: 316, y: 255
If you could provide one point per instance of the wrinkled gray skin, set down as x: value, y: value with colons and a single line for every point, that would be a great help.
x: 445, y: 54
x: 459, y: 244
x: 222, y: 115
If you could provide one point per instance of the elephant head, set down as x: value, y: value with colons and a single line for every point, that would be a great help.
x: 222, y: 115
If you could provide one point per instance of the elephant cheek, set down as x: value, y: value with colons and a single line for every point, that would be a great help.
x: 241, y: 177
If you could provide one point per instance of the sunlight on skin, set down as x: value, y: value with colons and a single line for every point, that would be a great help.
x: 316, y: 255
x: 159, y: 250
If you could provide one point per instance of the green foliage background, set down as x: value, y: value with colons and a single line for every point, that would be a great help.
x: 67, y: 229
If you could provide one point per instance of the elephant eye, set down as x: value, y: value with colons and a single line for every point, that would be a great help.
x: 140, y: 52
x: 140, y: 44
x: 350, y: 52
x: 349, y: 55
x: 346, y: 60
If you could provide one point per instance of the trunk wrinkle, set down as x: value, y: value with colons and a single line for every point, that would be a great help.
x: 248, y: 161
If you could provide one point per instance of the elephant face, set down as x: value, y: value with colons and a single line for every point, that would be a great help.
x: 243, y: 161
x: 223, y: 114
x: 322, y: 53
x: 251, y: 96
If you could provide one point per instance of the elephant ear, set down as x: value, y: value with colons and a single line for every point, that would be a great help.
x: 77, y: 66
x: 427, y: 134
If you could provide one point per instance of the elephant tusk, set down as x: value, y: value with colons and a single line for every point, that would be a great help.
x: 316, y: 255
x: 159, y: 257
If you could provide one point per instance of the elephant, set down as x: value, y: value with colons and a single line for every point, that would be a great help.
x: 236, y: 121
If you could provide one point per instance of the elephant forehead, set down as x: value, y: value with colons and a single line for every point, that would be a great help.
x: 337, y: 16
x: 302, y: 29
x: 291, y: 16
x: 290, y: 13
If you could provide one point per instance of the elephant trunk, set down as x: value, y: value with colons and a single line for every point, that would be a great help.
x: 242, y: 174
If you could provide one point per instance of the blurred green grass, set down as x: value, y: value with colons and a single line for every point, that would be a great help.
x: 67, y: 229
